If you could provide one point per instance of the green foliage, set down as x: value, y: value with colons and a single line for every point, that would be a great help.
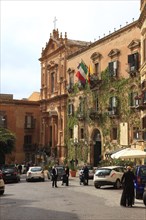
x: 116, y: 162
x: 109, y: 87
x: 7, y: 141
x: 72, y: 166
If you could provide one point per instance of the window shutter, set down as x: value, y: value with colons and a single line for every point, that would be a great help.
x: 136, y: 61
x: 130, y: 59
x: 111, y: 69
x: 144, y: 122
x: 115, y: 68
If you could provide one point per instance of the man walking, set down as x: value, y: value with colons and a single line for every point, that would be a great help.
x: 54, y: 176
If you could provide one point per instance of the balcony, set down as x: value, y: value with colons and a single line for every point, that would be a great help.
x: 113, y: 112
x: 70, y: 88
x: 133, y: 71
x: 94, y: 81
x: 94, y: 114
x: 80, y: 116
x: 140, y: 101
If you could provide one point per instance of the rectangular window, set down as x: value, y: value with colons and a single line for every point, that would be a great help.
x: 81, y: 105
x: 96, y: 68
x: 3, y: 120
x: 82, y: 133
x: 52, y: 82
x: 29, y: 121
x: 50, y: 136
x: 71, y: 80
x: 113, y: 68
x: 144, y: 50
x: 144, y: 122
x: 144, y: 97
x: 70, y: 109
x: 71, y: 133
x: 113, y: 102
x: 133, y: 62
x: 136, y: 135
x: 133, y: 100
x: 114, y: 133
x: 96, y: 105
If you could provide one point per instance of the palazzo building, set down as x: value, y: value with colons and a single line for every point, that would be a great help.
x: 54, y: 95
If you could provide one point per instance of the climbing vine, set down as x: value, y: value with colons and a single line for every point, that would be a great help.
x: 109, y: 87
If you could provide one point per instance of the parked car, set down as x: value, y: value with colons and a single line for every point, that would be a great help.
x: 10, y: 174
x: 91, y: 171
x: 2, y: 184
x: 35, y: 173
x: 140, y: 181
x: 110, y: 175
x: 60, y: 171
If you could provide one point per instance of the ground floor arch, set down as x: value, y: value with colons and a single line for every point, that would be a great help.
x: 96, y: 147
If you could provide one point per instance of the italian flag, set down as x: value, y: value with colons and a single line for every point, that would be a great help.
x: 82, y: 73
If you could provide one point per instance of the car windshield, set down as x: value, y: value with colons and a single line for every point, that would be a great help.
x: 9, y: 169
x: 103, y: 172
x: 36, y: 169
x: 60, y: 169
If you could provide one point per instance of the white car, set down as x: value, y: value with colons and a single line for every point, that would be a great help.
x: 35, y: 173
x: 2, y: 184
x: 110, y: 175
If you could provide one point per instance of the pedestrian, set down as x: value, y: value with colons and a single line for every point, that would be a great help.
x: 20, y: 168
x: 86, y: 174
x: 67, y: 174
x: 54, y: 174
x: 127, y: 197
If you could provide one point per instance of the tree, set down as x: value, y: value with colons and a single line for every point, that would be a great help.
x: 7, y: 143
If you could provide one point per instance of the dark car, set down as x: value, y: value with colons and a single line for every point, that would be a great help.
x: 10, y: 174
x: 140, y: 181
x: 60, y: 171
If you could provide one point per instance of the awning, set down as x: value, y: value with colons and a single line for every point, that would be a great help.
x: 129, y: 153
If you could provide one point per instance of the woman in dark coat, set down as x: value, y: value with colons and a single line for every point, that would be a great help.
x: 86, y: 174
x: 127, y: 198
x: 67, y: 175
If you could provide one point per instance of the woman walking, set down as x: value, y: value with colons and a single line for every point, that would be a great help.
x: 127, y: 197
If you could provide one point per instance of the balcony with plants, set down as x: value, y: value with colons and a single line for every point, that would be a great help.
x: 94, y: 114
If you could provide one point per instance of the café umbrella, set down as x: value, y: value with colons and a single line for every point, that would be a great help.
x: 129, y: 153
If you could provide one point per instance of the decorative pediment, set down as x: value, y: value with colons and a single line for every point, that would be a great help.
x: 51, y: 46
x: 51, y: 65
x: 70, y: 70
x: 95, y: 56
x: 134, y: 44
x: 114, y: 52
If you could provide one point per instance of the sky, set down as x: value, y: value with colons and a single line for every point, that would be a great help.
x: 26, y: 27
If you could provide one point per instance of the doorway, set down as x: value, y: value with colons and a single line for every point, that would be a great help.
x: 96, y: 147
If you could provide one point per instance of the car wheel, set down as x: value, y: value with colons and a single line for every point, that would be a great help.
x: 117, y: 184
x: 43, y: 180
x: 96, y: 186
x: 138, y: 195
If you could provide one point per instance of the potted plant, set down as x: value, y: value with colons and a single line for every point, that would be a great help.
x: 73, y: 170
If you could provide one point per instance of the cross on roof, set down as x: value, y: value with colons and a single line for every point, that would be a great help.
x: 55, y: 19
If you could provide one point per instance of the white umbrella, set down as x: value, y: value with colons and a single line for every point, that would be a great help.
x: 119, y: 153
x: 129, y: 153
x: 133, y: 154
